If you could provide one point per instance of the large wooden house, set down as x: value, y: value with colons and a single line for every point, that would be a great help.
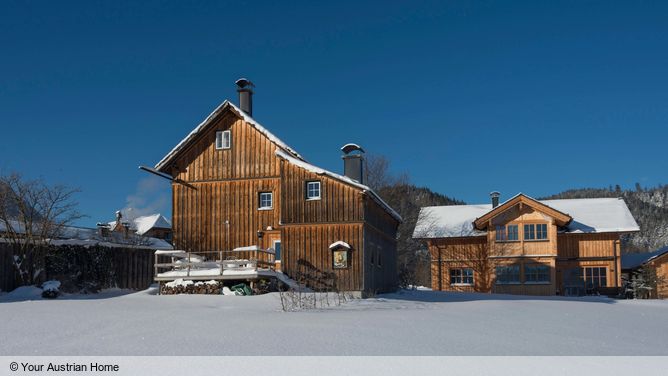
x: 526, y: 246
x: 237, y: 185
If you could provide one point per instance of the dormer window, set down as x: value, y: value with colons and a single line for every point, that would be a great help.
x: 223, y: 140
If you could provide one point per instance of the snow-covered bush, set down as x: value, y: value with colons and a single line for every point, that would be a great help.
x: 51, y: 289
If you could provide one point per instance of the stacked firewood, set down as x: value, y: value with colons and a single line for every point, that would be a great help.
x: 188, y: 287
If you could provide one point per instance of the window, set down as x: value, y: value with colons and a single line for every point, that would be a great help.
x: 500, y: 233
x: 535, y: 231
x: 506, y: 233
x: 463, y: 276
x: 266, y: 201
x: 529, y: 232
x: 512, y: 233
x: 312, y: 190
x: 223, y: 139
x: 595, y: 277
x: 507, y: 274
x: 277, y: 250
x: 536, y: 273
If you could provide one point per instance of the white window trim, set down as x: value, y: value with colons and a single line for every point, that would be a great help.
x: 220, y: 135
x: 259, y: 199
x: 319, y: 191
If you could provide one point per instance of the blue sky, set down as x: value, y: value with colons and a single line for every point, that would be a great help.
x: 467, y: 97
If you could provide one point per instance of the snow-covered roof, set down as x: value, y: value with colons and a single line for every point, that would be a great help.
x: 590, y: 215
x: 144, y: 224
x: 209, y: 119
x: 347, y: 148
x: 634, y: 260
x: 340, y: 243
x: 321, y: 171
x: 148, y: 222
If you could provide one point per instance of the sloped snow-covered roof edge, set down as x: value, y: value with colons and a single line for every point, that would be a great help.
x: 634, y: 260
x: 590, y: 215
x: 222, y: 107
x: 344, y: 179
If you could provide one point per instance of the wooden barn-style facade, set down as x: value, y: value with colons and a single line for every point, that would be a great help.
x: 237, y: 185
x: 525, y: 246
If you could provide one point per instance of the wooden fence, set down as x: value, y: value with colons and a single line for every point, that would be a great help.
x: 7, y: 282
x: 126, y: 268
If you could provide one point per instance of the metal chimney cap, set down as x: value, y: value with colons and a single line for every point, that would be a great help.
x: 243, y: 83
x: 349, y: 148
x: 495, y: 194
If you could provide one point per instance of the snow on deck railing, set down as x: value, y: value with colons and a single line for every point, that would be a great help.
x: 215, y: 262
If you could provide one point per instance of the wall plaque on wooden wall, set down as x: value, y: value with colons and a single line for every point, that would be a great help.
x: 340, y: 258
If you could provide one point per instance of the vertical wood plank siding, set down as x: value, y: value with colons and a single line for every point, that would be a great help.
x: 221, y: 212
x: 203, y: 217
x: 310, y: 244
x: 339, y: 202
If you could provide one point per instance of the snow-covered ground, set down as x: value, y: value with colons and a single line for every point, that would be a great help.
x: 406, y: 323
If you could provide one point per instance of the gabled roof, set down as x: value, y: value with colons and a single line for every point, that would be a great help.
x: 320, y: 171
x: 561, y: 218
x: 143, y: 224
x: 225, y: 106
x: 590, y: 215
x: 634, y: 260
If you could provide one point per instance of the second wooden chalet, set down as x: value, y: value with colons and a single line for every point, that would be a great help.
x: 237, y: 185
x: 525, y: 246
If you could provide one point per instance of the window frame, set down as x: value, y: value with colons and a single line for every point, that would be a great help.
x: 462, y: 275
x: 506, y: 233
x: 498, y: 281
x: 220, y: 136
x: 534, y: 231
x: 307, y: 190
x: 259, y: 200
x: 531, y: 269
x: 600, y: 277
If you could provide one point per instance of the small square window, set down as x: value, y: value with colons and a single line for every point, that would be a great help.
x: 312, y: 190
x: 223, y: 139
x: 266, y: 200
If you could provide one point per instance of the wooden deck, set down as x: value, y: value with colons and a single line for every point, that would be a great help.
x: 247, y: 263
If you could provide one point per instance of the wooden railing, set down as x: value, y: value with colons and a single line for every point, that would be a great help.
x: 248, y: 260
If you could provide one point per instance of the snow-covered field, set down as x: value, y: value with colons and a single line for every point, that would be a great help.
x: 406, y: 323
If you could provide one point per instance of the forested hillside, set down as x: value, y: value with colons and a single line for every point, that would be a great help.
x: 407, y: 199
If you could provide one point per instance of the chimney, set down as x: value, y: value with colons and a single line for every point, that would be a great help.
x: 245, y: 90
x: 353, y: 162
x: 495, y: 198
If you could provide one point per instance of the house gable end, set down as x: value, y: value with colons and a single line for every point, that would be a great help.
x: 204, y: 130
x: 561, y: 219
